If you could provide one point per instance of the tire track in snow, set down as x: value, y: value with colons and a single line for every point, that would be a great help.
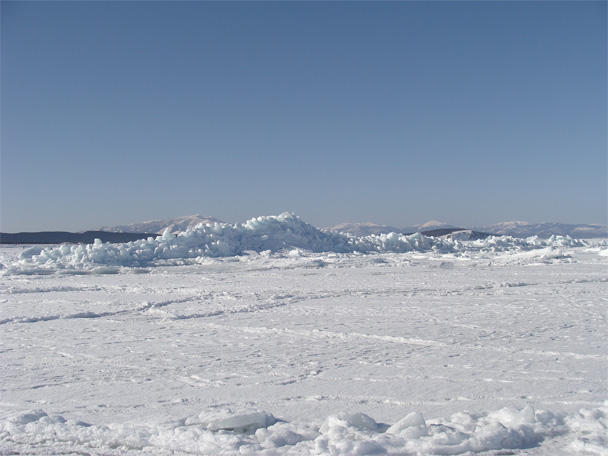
x: 531, y: 352
x: 51, y: 289
x: 156, y: 307
x: 61, y: 317
x: 90, y: 314
x: 217, y: 313
x: 323, y: 334
x: 285, y: 301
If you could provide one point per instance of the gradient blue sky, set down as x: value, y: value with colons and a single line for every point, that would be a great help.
x: 393, y: 112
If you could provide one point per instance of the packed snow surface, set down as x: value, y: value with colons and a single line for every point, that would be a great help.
x: 272, y: 337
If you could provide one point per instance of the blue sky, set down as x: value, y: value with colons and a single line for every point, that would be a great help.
x: 393, y: 112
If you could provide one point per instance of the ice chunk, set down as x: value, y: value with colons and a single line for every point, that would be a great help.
x: 413, y: 425
x: 167, y: 236
x: 356, y: 420
x: 242, y: 421
x: 278, y: 436
x: 511, y: 417
x: 528, y: 416
x: 27, y: 417
x: 29, y: 253
x: 254, y: 432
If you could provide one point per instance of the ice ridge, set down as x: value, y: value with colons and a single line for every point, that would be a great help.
x: 258, y: 432
x: 284, y: 232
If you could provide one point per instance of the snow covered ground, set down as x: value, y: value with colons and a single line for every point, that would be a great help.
x: 272, y: 337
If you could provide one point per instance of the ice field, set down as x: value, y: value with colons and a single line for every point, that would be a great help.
x: 273, y: 337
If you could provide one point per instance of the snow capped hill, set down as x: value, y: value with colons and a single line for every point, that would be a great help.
x: 367, y: 228
x: 176, y: 225
x: 514, y: 225
x: 546, y: 230
x: 518, y: 229
x: 363, y: 229
x: 466, y: 235
x: 433, y: 225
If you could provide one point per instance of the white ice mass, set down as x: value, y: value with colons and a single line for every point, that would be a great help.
x: 273, y: 337
x: 263, y: 234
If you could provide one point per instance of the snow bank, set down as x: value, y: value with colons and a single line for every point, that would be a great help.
x: 257, y: 432
x: 282, y: 233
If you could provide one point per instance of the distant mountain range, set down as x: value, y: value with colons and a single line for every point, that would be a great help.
x: 115, y: 234
x: 126, y: 233
x: 367, y: 228
x: 515, y: 229
x: 176, y: 225
x: 363, y: 229
x: 431, y: 228
x: 547, y: 229
x: 60, y: 237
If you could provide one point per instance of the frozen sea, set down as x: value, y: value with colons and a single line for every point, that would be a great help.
x: 290, y: 351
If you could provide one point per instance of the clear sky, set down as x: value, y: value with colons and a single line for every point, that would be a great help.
x: 469, y: 112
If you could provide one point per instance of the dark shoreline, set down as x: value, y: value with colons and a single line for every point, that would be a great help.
x: 88, y: 237
x: 60, y: 237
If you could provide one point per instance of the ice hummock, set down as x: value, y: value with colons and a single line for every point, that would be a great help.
x: 282, y: 233
x: 258, y: 432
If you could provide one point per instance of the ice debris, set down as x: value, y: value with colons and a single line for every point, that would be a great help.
x: 241, y: 421
x: 284, y: 233
x: 258, y: 432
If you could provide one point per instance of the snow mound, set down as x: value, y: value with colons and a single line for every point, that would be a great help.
x: 258, y: 432
x: 283, y: 233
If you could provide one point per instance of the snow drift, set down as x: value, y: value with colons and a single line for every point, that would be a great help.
x: 263, y: 234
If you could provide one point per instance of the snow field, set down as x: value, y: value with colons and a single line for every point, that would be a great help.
x: 488, y: 348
